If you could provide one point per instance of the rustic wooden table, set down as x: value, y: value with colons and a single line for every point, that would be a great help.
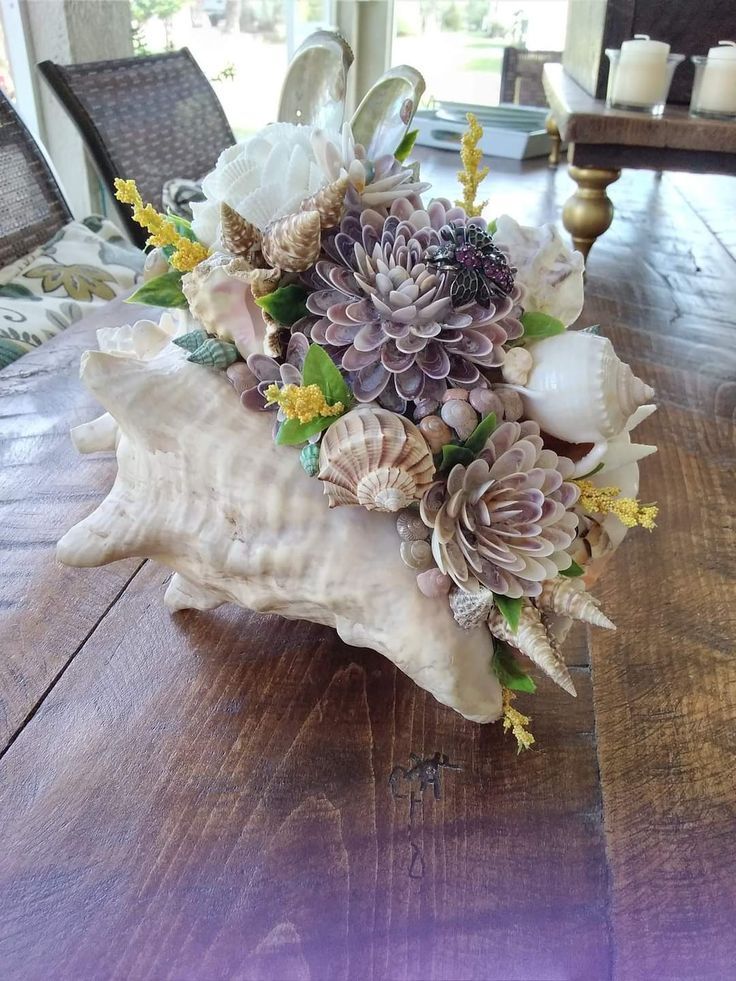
x: 206, y: 795
x: 601, y: 141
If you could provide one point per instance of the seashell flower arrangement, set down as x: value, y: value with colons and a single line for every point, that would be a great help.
x: 417, y: 404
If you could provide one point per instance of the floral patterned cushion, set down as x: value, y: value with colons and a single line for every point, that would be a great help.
x: 83, y: 266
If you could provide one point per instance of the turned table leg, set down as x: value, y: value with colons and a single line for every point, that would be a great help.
x: 589, y: 212
x: 555, y: 139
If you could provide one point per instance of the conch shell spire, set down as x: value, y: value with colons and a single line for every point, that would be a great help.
x: 531, y: 639
x: 567, y: 597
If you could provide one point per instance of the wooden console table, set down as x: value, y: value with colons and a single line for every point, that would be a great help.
x: 602, y: 141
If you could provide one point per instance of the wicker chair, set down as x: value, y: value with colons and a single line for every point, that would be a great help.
x: 521, y: 76
x: 32, y: 207
x: 153, y: 119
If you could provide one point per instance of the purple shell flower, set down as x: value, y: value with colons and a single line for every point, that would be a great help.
x: 388, y: 315
x: 504, y: 521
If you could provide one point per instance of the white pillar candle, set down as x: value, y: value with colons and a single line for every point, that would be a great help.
x: 717, y: 91
x: 641, y: 76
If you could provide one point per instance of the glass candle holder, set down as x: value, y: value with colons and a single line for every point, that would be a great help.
x: 640, y: 83
x: 714, y: 88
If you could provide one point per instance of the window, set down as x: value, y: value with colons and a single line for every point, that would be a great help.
x: 243, y: 46
x: 458, y: 45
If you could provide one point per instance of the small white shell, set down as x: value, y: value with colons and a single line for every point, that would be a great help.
x: 436, y: 432
x: 484, y: 401
x: 513, y: 407
x: 516, y: 366
x: 411, y: 528
x: 460, y: 416
x: 434, y: 583
x: 374, y: 458
x: 417, y: 555
x: 470, y: 609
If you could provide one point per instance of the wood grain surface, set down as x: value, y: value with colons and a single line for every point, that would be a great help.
x: 207, y: 795
x: 583, y: 119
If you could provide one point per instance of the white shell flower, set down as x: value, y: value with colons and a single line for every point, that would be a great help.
x: 551, y: 274
x: 263, y: 179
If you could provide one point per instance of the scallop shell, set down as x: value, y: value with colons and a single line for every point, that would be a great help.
x: 579, y: 391
x: 374, y: 458
x: 470, y: 609
x: 328, y: 202
x: 293, y: 243
x: 238, y: 235
x: 411, y: 528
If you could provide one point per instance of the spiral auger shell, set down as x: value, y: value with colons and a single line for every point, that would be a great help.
x: 568, y: 598
x: 532, y: 640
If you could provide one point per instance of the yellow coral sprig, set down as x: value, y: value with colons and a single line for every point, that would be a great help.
x: 606, y: 500
x: 304, y: 403
x: 186, y: 254
x: 514, y: 720
x: 472, y: 174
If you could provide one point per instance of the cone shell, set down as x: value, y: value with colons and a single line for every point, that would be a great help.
x: 238, y: 235
x: 374, y: 458
x: 328, y: 203
x: 567, y: 596
x: 470, y: 609
x: 293, y: 243
x: 532, y: 640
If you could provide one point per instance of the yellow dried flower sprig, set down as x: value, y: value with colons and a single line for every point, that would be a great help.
x: 304, y: 403
x: 472, y: 174
x: 606, y: 500
x: 516, y: 722
x: 186, y: 255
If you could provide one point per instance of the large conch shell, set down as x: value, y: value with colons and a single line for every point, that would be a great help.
x: 580, y: 392
x: 374, y: 458
x: 293, y: 243
x: 253, y: 528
